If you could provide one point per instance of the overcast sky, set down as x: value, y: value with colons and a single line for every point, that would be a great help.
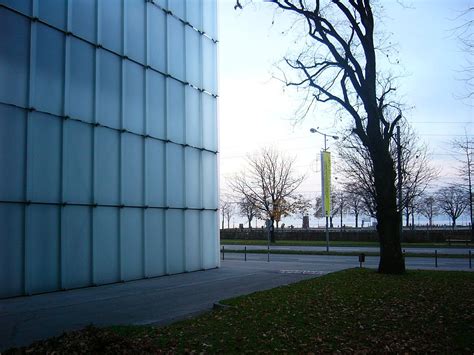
x: 255, y: 111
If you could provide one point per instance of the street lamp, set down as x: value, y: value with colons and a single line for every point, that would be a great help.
x: 315, y: 130
x: 323, y: 185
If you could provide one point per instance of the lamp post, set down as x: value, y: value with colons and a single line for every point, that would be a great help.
x: 315, y: 130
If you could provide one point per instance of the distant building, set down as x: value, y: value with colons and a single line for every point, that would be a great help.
x: 108, y: 141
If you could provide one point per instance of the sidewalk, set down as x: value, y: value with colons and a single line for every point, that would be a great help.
x: 154, y: 301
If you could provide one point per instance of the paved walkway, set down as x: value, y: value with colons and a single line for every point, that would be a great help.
x: 165, y: 299
x: 154, y: 301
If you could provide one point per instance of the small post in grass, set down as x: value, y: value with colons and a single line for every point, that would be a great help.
x: 268, y: 254
x: 245, y: 252
x: 436, y: 257
x: 223, y: 254
x: 361, y: 259
x: 470, y: 259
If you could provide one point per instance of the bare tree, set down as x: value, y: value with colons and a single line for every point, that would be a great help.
x: 453, y: 201
x: 270, y: 184
x: 354, y: 201
x: 227, y: 210
x: 318, y: 207
x: 428, y: 208
x: 466, y: 39
x: 417, y: 172
x: 465, y: 146
x: 340, y: 67
x: 302, y: 205
x: 247, y: 209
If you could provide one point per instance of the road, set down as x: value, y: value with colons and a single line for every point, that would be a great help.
x: 166, y: 299
x: 326, y: 262
x: 456, y: 250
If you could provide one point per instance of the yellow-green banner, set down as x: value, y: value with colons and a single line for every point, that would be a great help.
x: 326, y: 182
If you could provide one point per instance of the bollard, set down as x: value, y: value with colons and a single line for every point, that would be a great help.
x: 268, y: 253
x: 245, y: 253
x: 223, y: 254
x: 436, y: 258
x: 470, y: 259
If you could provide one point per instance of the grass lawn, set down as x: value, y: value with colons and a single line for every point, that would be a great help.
x: 355, y: 310
x: 337, y: 243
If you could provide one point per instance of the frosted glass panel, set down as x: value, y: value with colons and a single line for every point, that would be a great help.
x: 157, y: 38
x: 84, y: 18
x: 11, y: 252
x: 23, y: 6
x: 175, y: 241
x: 177, y: 8
x: 156, y: 105
x: 155, y: 173
x: 77, y: 162
x: 132, y: 243
x: 111, y: 24
x: 49, y: 70
x: 175, y: 175
x: 110, y: 78
x: 193, y: 181
x: 193, y: 117
x: 107, y: 166
x: 210, y: 17
x: 209, y: 117
x: 132, y: 190
x: 209, y: 186
x: 176, y: 108
x: 193, y: 57
x: 162, y: 3
x: 12, y: 152
x: 155, y: 252
x: 209, y: 61
x: 176, y: 48
x: 134, y: 97
x: 209, y: 236
x: 77, y: 258
x: 193, y: 243
x: 135, y: 39
x: 194, y: 13
x: 44, y: 158
x: 53, y: 12
x: 14, y: 49
x: 43, y: 248
x: 126, y: 67
x: 106, y: 245
x: 81, y: 90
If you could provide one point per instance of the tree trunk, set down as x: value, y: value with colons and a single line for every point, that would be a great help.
x: 412, y: 218
x: 391, y: 256
x: 357, y: 220
x: 272, y: 233
x: 223, y: 221
x: 330, y: 222
x: 454, y: 222
x: 407, y: 216
x: 250, y: 223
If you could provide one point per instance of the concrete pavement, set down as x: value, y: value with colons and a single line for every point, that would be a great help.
x: 154, y: 301
x: 165, y: 299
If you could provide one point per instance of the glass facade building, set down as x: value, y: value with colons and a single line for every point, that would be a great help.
x: 108, y: 141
